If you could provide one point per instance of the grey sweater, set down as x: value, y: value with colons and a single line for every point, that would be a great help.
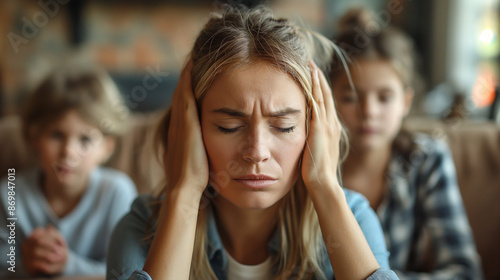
x: 87, y: 228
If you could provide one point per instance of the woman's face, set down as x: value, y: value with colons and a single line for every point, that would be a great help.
x: 373, y: 116
x: 254, y: 127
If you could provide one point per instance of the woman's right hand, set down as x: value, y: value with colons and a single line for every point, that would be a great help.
x: 186, y: 168
x: 185, y: 160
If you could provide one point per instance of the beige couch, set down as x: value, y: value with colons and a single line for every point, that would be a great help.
x: 475, y: 147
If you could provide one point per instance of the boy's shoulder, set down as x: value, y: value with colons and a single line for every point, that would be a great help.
x: 111, y: 180
x: 108, y: 172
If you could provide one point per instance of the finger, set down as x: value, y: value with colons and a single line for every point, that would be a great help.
x: 327, y: 95
x: 316, y: 93
x: 178, y: 93
x: 56, y: 235
x: 44, y: 267
x: 187, y: 86
x: 175, y: 107
x: 37, y: 232
x: 316, y: 90
x: 47, y: 255
x: 47, y: 241
x: 48, y: 246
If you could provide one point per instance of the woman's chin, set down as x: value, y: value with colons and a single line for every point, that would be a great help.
x: 251, y: 201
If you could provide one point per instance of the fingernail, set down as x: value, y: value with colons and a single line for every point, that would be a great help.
x: 315, y: 73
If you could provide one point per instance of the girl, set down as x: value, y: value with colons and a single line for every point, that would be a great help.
x: 67, y: 208
x: 253, y: 120
x: 409, y: 179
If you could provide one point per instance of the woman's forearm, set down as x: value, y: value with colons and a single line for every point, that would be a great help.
x: 172, y: 248
x: 349, y: 252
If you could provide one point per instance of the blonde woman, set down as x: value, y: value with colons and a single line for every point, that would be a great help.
x: 254, y: 120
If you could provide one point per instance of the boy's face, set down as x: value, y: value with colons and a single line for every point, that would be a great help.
x: 70, y: 149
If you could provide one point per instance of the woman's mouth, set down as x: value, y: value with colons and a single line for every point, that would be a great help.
x: 256, y: 181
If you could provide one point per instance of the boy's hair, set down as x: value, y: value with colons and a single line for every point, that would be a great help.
x: 90, y: 91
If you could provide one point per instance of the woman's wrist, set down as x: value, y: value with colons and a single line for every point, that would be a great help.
x: 185, y: 194
x: 183, y: 199
x: 327, y: 193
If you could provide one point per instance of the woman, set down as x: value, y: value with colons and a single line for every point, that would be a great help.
x: 254, y: 120
x: 409, y: 179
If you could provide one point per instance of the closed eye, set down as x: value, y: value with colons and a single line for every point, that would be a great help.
x: 286, y: 130
x: 227, y: 130
x: 233, y: 130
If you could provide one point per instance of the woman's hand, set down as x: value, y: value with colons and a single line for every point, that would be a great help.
x: 186, y: 168
x: 350, y: 255
x: 186, y: 161
x: 321, y: 154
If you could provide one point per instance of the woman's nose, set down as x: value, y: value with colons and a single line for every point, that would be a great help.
x: 256, y: 148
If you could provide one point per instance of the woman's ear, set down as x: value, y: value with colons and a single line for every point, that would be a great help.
x: 408, y: 99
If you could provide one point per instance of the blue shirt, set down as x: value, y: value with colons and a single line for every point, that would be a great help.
x: 86, y: 229
x: 423, y: 216
x: 129, y: 249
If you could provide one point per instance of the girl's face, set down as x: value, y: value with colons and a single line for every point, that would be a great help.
x: 69, y: 149
x: 254, y: 130
x: 373, y: 117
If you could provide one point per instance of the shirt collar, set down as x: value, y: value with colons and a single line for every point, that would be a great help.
x: 215, y: 246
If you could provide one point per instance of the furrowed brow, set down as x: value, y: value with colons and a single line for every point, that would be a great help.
x: 236, y: 113
x: 230, y: 112
x: 285, y: 112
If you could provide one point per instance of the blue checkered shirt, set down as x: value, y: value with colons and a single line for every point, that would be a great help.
x: 423, y: 216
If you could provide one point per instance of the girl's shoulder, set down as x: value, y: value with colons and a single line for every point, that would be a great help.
x: 415, y: 146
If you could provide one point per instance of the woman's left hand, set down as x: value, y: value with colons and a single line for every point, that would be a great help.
x: 321, y: 154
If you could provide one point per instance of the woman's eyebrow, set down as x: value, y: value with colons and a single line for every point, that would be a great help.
x: 236, y: 113
x: 230, y: 112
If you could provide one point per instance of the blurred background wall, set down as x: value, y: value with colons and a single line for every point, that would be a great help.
x: 457, y: 41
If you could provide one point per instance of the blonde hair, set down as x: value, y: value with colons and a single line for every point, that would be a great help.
x: 241, y: 36
x: 88, y: 90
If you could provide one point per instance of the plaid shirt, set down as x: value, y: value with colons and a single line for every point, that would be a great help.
x: 422, y: 212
